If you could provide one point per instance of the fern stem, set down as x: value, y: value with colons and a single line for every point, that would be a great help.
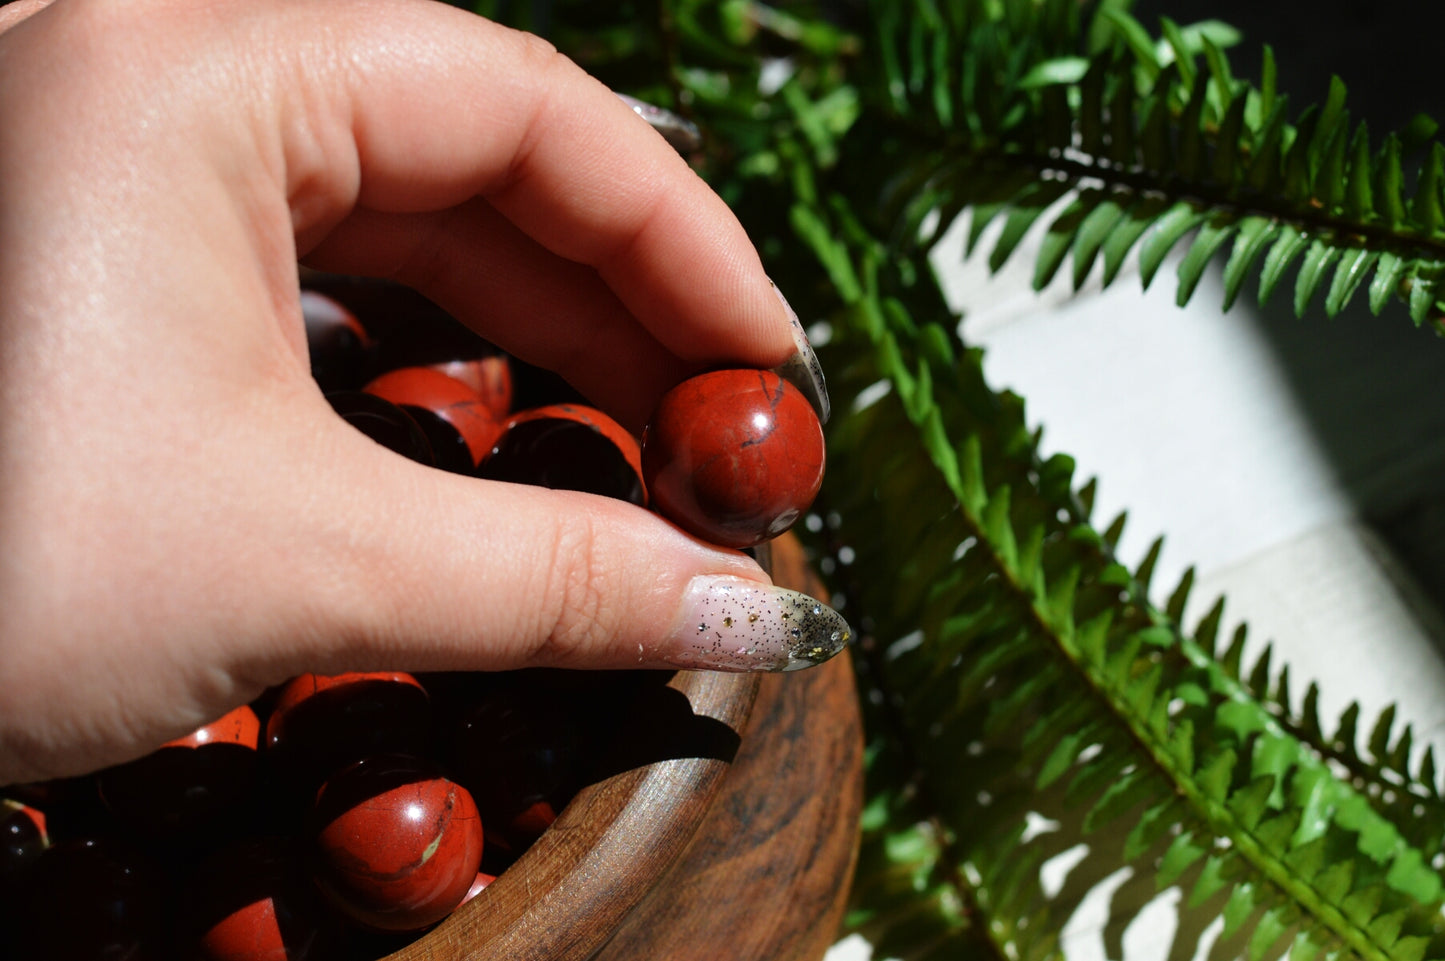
x: 1140, y: 182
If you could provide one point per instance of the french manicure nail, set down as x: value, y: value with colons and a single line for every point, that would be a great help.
x: 734, y: 624
x: 802, y: 370
x: 680, y: 132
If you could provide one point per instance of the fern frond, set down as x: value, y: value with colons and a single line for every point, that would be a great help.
x: 1038, y: 689
x: 1122, y: 121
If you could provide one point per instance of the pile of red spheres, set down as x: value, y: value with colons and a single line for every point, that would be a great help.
x: 374, y: 805
x: 734, y: 457
x: 338, y: 812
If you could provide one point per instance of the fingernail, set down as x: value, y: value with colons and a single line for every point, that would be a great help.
x: 734, y: 624
x: 680, y: 132
x: 802, y: 370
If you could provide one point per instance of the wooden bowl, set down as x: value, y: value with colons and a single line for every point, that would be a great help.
x: 728, y: 830
x: 728, y: 839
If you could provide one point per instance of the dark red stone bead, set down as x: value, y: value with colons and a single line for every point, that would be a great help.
x: 459, y: 424
x: 339, y: 348
x: 519, y: 752
x: 94, y: 898
x: 568, y: 447
x: 479, y: 885
x: 22, y: 840
x: 324, y: 721
x: 384, y: 422
x: 254, y: 901
x: 188, y: 782
x: 733, y: 456
x: 489, y: 377
x: 396, y: 846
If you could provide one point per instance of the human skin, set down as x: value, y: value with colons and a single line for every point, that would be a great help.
x: 184, y: 520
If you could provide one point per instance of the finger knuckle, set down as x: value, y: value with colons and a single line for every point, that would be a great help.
x: 582, y: 612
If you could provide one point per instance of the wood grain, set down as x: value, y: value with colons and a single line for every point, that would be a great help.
x: 768, y: 872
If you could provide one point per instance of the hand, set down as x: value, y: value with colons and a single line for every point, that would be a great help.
x: 184, y: 520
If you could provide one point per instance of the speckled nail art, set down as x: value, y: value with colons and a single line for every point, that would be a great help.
x: 802, y: 370
x: 734, y: 624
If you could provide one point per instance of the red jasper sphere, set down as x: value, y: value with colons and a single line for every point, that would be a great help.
x: 322, y: 722
x: 458, y: 422
x: 253, y: 901
x: 568, y: 447
x: 733, y: 456
x: 22, y: 840
x: 338, y: 344
x: 490, y: 377
x: 188, y: 782
x: 397, y: 847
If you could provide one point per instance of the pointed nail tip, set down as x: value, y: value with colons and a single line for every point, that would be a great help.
x: 823, y: 638
x: 803, y: 370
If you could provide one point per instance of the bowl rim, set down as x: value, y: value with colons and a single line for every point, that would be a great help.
x: 564, y: 897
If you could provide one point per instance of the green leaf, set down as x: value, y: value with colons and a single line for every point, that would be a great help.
x: 1030, y: 205
x: 1249, y: 803
x: 1137, y: 39
x: 1091, y: 235
x: 1345, y: 735
x: 1060, y: 237
x: 1211, y: 881
x: 1151, y: 826
x: 1335, y: 881
x: 1163, y: 235
x: 1388, y: 274
x: 1182, y: 852
x: 1060, y: 759
x: 1123, y: 795
x: 1422, y: 293
x: 1362, y: 905
x: 1220, y: 73
x: 1155, y: 146
x: 1145, y: 572
x: 1379, y: 742
x: 1425, y: 208
x: 1287, y: 246
x: 1123, y: 236
x: 1259, y: 675
x: 1254, y: 234
x: 1189, y: 160
x: 1318, y: 260
x: 1238, y: 909
x: 1264, y: 173
x: 1327, y: 184
x: 1215, y: 778
x: 1389, y: 181
x: 1359, y: 195
x: 1273, y: 924
x: 1183, y: 51
x: 1409, y: 948
x: 1228, y: 149
x: 1353, y: 268
x: 1056, y: 70
x: 1207, y: 630
x: 1206, y: 243
x: 1174, y: 607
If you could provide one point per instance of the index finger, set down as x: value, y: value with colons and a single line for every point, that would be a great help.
x: 452, y: 107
